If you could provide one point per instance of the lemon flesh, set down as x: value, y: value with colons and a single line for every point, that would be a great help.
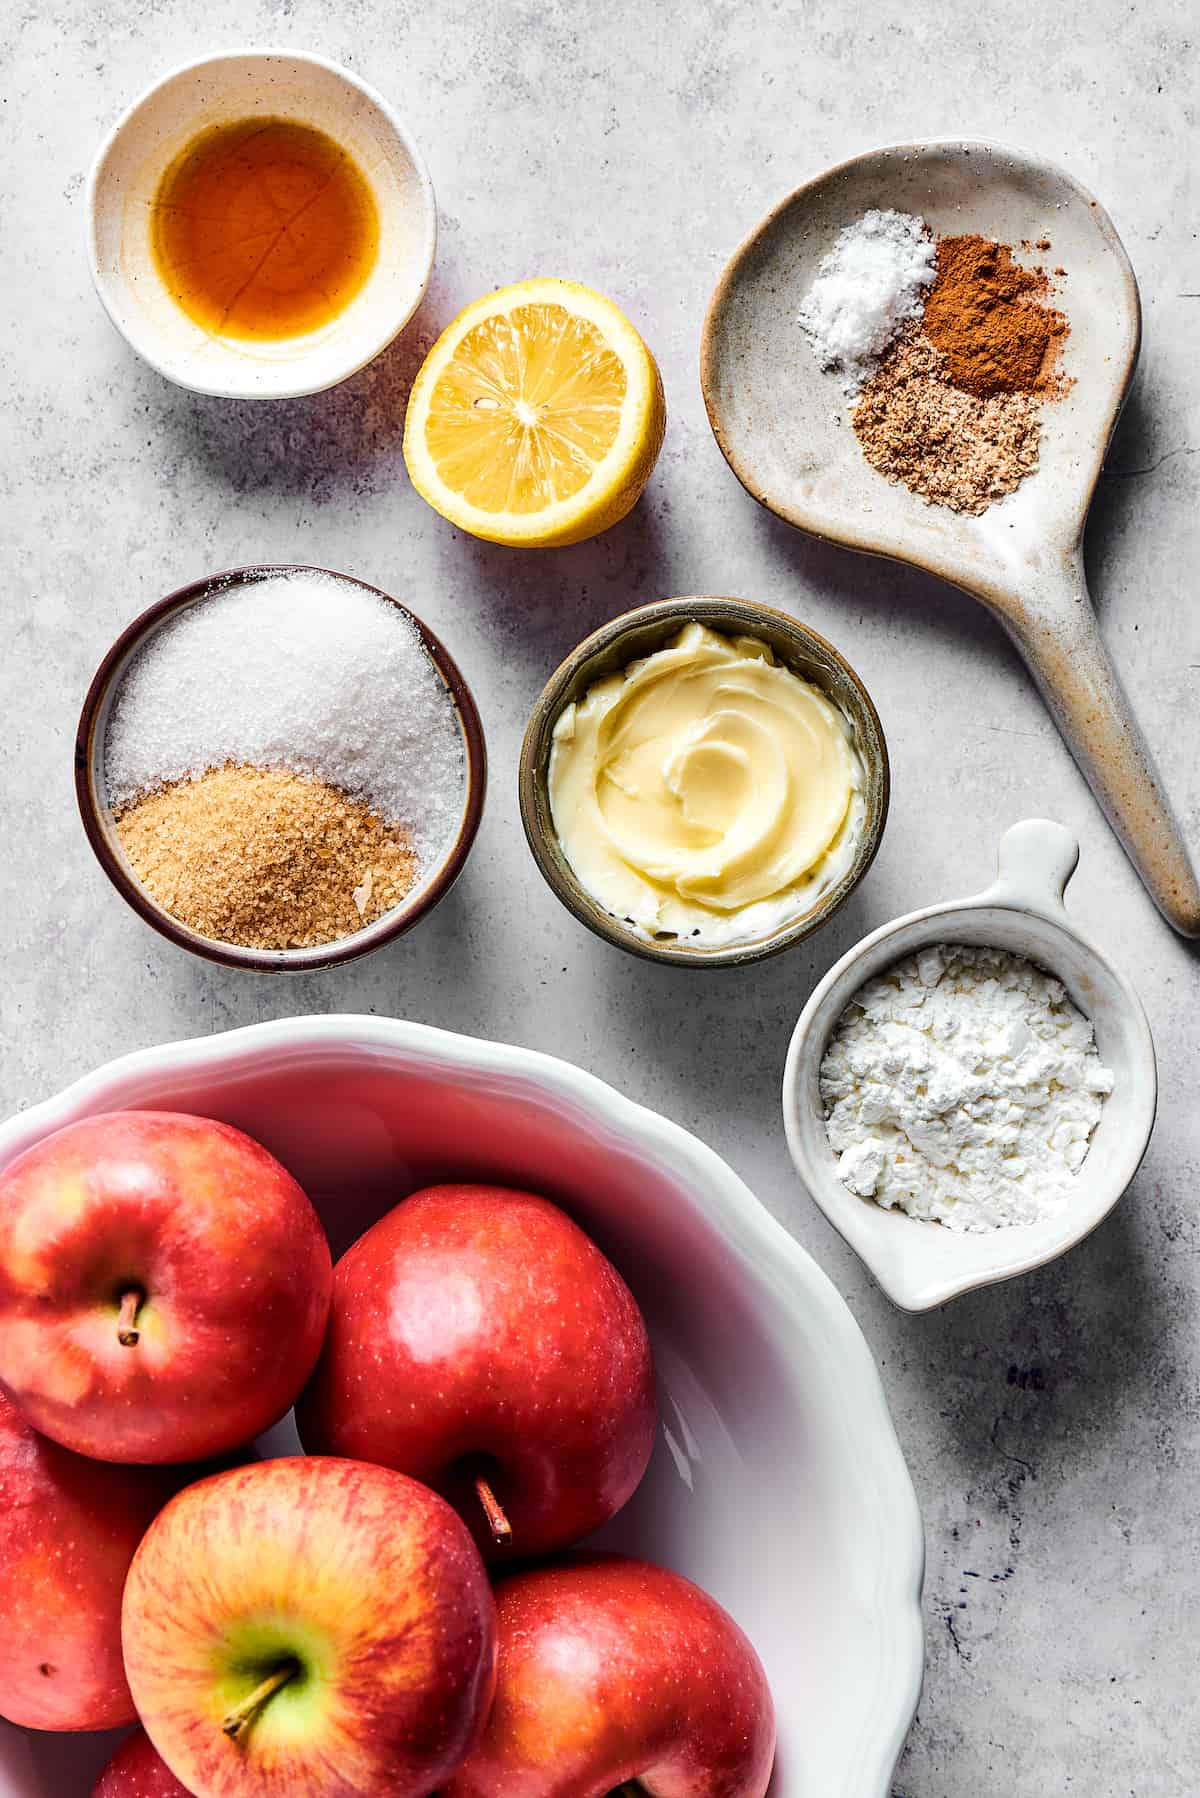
x: 537, y: 416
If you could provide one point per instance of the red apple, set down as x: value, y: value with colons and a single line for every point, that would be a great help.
x: 310, y: 1626
x: 479, y: 1341
x: 137, y: 1770
x: 616, y: 1674
x: 164, y: 1287
x: 69, y: 1531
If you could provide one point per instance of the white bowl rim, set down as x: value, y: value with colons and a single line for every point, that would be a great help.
x: 230, y: 390
x: 744, y: 1222
x: 1054, y: 852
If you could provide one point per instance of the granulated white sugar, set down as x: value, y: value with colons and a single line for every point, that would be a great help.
x: 873, y: 280
x: 300, y: 671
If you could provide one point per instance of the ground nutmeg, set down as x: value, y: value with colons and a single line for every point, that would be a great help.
x: 950, y: 447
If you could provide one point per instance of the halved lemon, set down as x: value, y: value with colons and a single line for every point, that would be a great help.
x: 537, y: 416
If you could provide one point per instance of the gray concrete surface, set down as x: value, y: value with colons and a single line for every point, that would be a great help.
x: 1053, y: 1426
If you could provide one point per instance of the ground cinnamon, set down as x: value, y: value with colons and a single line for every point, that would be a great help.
x: 985, y: 314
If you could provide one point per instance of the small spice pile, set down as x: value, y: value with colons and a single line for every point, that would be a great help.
x: 948, y: 445
x: 283, y: 762
x: 984, y: 313
x: 952, y: 410
x: 874, y: 278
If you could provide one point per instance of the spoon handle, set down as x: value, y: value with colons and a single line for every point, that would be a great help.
x: 1059, y: 639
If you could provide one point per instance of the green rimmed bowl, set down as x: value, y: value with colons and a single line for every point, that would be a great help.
x: 641, y: 633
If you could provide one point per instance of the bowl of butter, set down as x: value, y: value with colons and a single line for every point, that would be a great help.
x: 704, y: 781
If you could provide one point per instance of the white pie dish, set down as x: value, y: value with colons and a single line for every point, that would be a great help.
x: 920, y: 1264
x: 777, y: 1482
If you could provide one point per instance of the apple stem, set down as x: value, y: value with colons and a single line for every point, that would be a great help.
x: 493, y: 1510
x: 238, y: 1720
x: 127, y: 1330
x: 630, y: 1789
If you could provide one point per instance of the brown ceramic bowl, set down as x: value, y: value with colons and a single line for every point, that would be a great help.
x: 101, y: 830
x: 640, y: 633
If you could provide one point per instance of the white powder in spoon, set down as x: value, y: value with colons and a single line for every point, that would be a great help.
x: 301, y: 671
x: 872, y: 281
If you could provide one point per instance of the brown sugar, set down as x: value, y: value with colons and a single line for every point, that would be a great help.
x: 949, y: 446
x: 985, y: 313
x: 265, y: 858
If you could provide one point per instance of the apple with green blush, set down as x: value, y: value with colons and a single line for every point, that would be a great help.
x: 310, y: 1625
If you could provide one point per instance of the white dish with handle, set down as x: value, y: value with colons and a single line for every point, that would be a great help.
x: 777, y: 1482
x: 921, y: 1264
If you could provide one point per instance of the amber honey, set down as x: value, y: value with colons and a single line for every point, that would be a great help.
x: 264, y: 229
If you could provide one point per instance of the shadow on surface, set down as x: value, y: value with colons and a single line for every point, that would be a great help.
x: 1115, y: 501
x: 720, y: 1036
x: 543, y: 602
x: 1038, y: 1373
x: 347, y: 439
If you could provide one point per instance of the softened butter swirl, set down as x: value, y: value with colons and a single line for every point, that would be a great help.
x: 706, y: 791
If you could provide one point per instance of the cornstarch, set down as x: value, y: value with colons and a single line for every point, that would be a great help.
x: 963, y: 1087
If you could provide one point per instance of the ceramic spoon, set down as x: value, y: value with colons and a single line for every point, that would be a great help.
x: 781, y: 424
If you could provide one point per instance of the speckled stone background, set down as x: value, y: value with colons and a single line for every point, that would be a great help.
x: 1052, y: 1426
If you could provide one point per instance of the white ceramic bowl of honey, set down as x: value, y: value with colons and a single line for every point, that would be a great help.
x: 261, y: 224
